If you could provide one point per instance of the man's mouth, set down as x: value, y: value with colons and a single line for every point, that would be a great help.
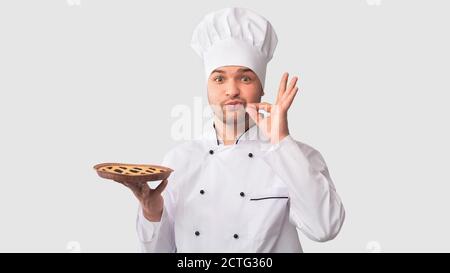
x: 233, y: 105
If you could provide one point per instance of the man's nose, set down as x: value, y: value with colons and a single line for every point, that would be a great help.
x: 232, y: 90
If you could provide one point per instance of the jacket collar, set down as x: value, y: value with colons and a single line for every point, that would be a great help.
x: 253, y: 133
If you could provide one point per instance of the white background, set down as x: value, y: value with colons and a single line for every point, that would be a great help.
x: 90, y: 81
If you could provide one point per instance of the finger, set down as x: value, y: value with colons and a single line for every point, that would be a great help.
x: 264, y: 106
x: 291, y: 97
x: 129, y: 185
x: 291, y: 87
x: 282, y: 87
x: 144, y: 188
x: 260, y: 105
x: 138, y: 189
x: 292, y: 83
x: 252, y: 111
x: 161, y: 186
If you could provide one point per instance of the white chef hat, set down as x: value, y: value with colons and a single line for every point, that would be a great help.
x: 235, y: 36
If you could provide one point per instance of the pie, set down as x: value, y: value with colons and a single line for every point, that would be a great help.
x: 132, y: 172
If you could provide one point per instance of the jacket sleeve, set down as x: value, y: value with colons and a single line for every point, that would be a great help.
x: 315, y: 207
x: 159, y: 236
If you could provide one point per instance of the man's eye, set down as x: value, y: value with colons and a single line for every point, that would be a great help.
x: 218, y: 79
x: 246, y: 79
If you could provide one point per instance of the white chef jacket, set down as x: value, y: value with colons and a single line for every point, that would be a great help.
x: 252, y: 196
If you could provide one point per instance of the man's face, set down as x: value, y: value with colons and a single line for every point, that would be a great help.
x: 230, y: 88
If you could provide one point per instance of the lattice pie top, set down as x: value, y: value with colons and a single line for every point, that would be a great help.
x: 132, y: 172
x: 131, y: 169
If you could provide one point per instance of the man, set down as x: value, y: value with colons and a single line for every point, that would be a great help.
x: 247, y: 185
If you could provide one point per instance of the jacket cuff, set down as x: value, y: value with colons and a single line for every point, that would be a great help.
x: 146, y: 229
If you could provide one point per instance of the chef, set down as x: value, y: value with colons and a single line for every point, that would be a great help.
x: 247, y: 185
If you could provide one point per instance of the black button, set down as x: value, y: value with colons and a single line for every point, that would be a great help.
x: 242, y: 194
x: 250, y: 155
x: 202, y: 192
x: 211, y: 152
x: 197, y: 233
x: 236, y: 236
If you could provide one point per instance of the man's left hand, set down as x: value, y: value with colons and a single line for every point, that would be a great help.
x: 275, y: 125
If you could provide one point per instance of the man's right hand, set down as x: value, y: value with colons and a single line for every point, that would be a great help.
x: 152, y: 202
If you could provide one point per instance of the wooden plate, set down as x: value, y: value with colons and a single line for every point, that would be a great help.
x: 132, y: 172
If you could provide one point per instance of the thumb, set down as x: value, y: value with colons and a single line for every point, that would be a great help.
x: 161, y: 186
x: 252, y: 112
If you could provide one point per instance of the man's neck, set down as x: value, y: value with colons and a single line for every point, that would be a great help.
x: 230, y: 132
